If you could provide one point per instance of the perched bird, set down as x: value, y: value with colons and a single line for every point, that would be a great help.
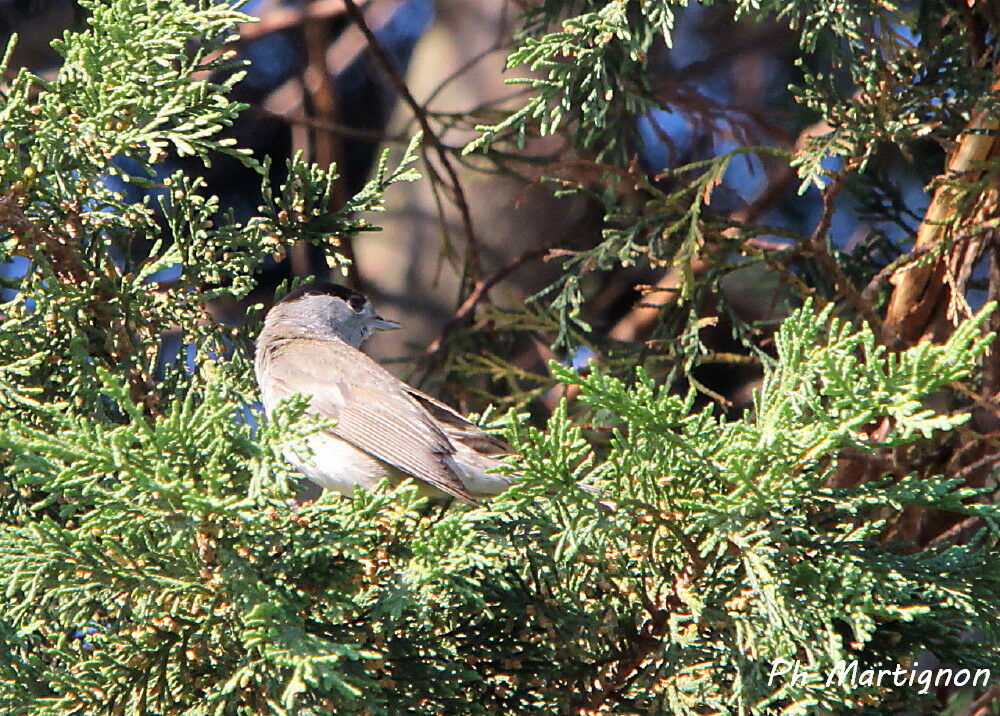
x: 310, y: 345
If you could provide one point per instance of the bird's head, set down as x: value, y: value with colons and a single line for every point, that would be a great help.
x: 330, y: 308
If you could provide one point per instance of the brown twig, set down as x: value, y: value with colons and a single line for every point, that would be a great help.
x: 816, y: 246
x: 871, y: 289
x: 458, y: 193
x: 325, y: 148
x: 338, y: 128
x: 463, y: 68
x: 479, y: 290
x: 645, y: 312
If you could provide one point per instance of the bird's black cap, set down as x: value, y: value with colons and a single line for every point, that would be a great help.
x: 324, y: 288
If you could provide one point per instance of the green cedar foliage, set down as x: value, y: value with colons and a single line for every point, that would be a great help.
x: 877, y: 73
x: 152, y: 558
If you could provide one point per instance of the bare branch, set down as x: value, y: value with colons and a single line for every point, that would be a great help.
x: 458, y: 193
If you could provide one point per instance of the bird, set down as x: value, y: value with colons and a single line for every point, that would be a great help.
x: 383, y: 428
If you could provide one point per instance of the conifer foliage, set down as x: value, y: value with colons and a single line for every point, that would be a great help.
x: 153, y: 559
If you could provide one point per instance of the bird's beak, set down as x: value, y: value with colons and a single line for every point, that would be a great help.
x: 382, y: 324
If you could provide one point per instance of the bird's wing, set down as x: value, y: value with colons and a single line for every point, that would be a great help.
x: 371, y: 407
x: 458, y: 428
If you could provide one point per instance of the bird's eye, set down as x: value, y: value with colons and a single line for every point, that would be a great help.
x: 356, y: 303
